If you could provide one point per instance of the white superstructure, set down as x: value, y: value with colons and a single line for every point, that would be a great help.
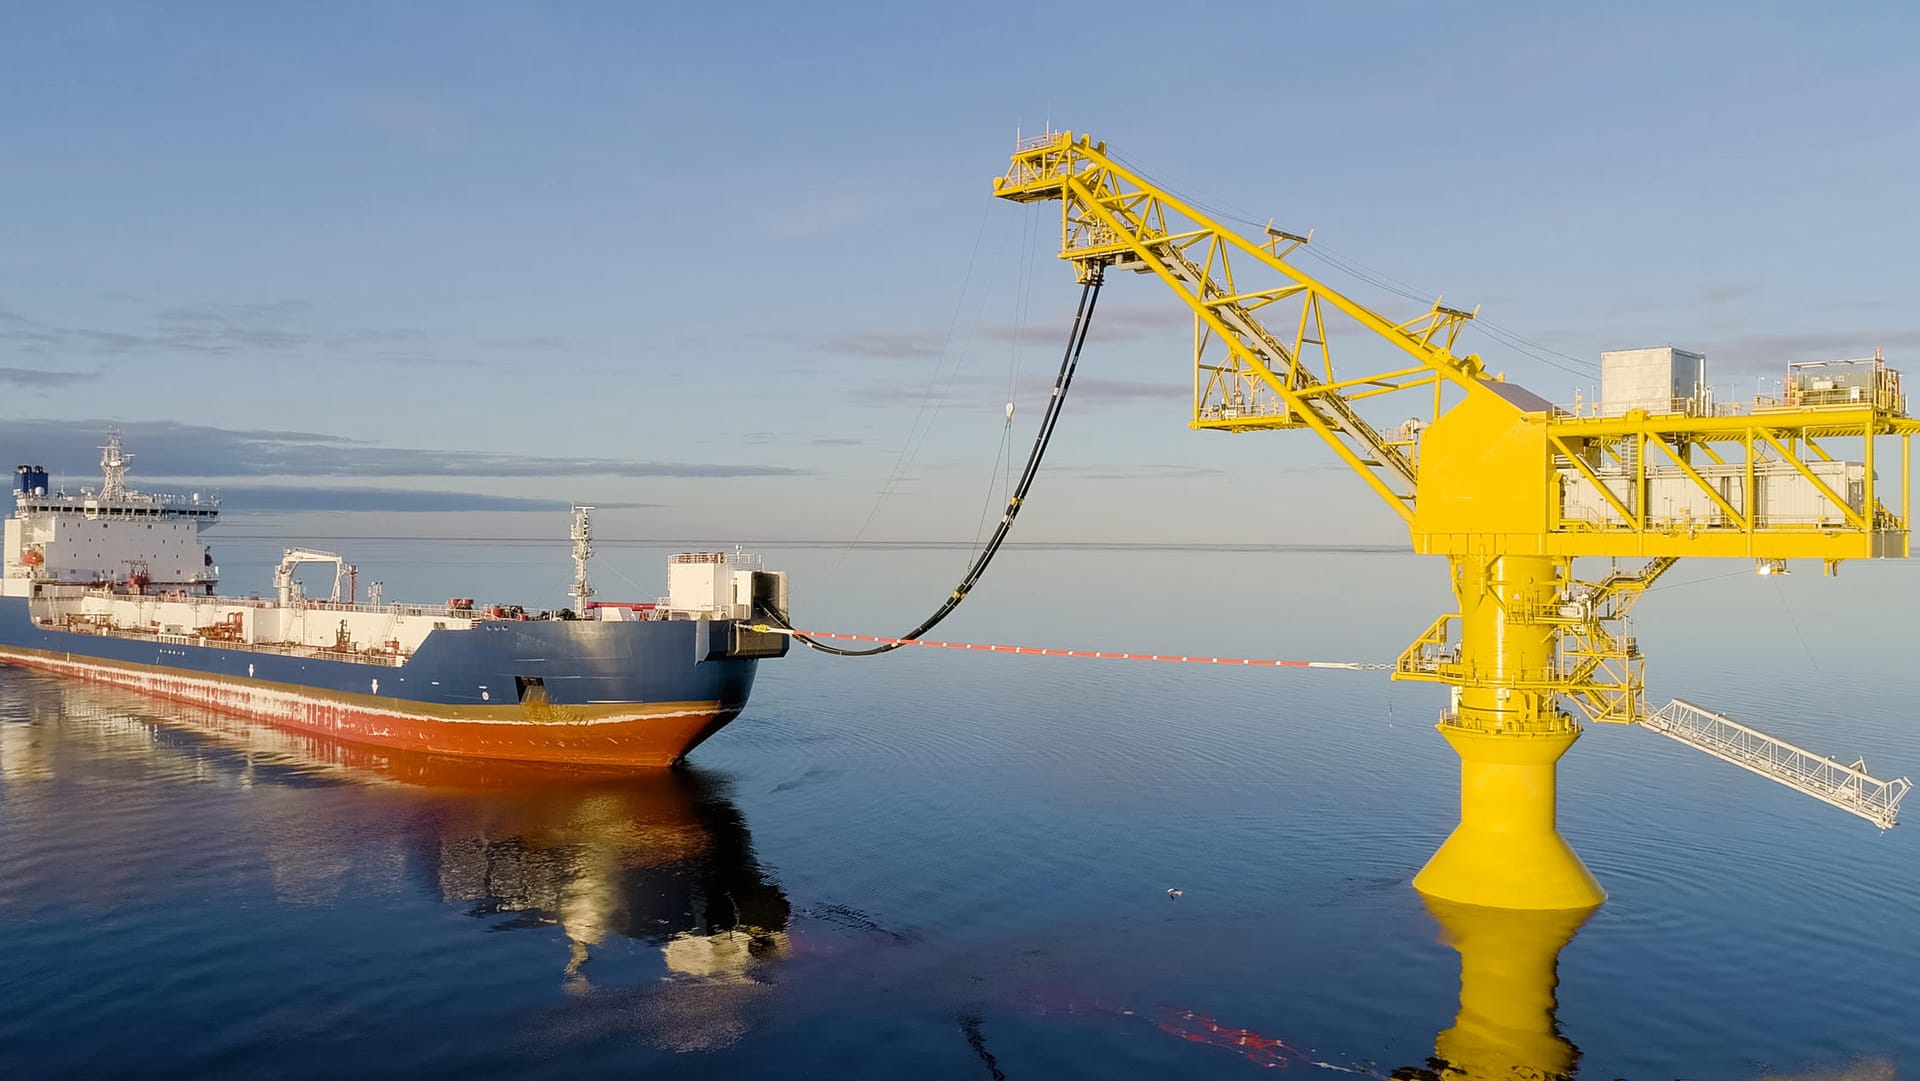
x: 1663, y: 380
x: 113, y: 535
x: 720, y: 585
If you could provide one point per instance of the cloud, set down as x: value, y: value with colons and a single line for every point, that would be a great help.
x: 1769, y: 354
x: 260, y: 312
x: 1139, y: 321
x: 1138, y: 472
x: 170, y: 449
x: 1118, y: 391
x: 836, y: 441
x: 44, y: 377
x: 1725, y: 294
x: 881, y: 345
x: 535, y: 341
x: 1110, y: 323
x: 220, y: 330
x: 415, y: 118
x: 276, y: 499
x: 982, y: 392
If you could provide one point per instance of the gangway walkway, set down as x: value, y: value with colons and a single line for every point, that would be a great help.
x: 1849, y: 788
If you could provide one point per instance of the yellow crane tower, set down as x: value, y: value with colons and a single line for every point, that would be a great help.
x: 1509, y: 488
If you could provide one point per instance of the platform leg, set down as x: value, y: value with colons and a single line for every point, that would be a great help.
x: 1509, y: 733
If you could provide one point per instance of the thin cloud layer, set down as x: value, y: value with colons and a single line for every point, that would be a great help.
x: 259, y: 312
x: 268, y: 328
x: 170, y: 449
x: 1769, y: 354
x: 983, y: 392
x: 44, y: 377
x: 279, y: 499
x: 1148, y: 471
x: 881, y: 345
x: 1111, y: 323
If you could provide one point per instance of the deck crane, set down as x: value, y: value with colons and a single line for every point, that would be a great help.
x: 288, y: 587
x: 1504, y: 485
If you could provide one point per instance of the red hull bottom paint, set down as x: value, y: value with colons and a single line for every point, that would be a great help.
x: 638, y: 736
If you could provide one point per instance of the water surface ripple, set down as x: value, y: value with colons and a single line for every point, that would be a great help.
x: 957, y: 866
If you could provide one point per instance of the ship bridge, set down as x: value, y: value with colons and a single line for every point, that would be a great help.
x: 111, y: 536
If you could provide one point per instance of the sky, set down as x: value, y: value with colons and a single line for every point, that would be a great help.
x: 734, y: 272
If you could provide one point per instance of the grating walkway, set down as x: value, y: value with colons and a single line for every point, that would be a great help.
x: 1849, y: 788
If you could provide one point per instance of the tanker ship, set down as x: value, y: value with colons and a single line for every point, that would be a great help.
x: 115, y: 586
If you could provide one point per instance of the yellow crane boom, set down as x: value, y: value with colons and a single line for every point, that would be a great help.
x: 1509, y: 488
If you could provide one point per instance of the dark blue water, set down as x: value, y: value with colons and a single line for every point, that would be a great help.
x: 956, y: 866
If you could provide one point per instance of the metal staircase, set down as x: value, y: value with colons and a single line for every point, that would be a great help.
x: 1849, y: 788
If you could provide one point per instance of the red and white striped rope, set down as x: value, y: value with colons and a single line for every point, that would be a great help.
x: 1035, y: 651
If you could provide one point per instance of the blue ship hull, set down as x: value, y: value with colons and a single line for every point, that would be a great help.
x: 638, y: 693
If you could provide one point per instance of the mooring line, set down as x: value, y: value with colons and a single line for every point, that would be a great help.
x: 1094, y: 654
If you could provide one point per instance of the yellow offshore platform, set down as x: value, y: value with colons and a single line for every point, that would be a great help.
x: 1511, y: 490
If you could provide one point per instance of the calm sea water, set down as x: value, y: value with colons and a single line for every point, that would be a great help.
x: 956, y: 866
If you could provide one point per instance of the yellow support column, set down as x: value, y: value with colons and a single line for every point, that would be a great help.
x: 1509, y: 732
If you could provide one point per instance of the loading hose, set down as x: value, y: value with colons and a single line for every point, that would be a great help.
x: 1076, y: 340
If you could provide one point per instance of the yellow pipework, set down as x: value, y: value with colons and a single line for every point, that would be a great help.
x: 1506, y: 651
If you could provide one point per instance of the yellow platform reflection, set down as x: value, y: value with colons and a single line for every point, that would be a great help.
x: 1506, y: 1027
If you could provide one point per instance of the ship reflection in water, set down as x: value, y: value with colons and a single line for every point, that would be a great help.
x: 664, y: 857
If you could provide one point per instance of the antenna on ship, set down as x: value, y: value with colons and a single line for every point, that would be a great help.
x: 114, y: 464
x: 582, y: 551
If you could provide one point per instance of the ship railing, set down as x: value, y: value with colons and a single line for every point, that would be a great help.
x: 432, y: 611
x: 319, y: 653
x: 383, y: 658
x: 739, y: 558
x: 1700, y: 405
x: 435, y: 611
x: 137, y: 505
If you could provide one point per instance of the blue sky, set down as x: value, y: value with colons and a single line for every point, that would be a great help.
x: 734, y: 270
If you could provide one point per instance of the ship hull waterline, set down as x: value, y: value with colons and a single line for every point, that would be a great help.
x: 611, y: 735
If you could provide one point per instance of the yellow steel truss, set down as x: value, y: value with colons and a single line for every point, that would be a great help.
x: 1509, y: 488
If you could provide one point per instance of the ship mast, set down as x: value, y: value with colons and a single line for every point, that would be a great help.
x: 582, y: 551
x: 113, y: 464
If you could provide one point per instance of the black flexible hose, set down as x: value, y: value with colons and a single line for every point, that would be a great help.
x: 1076, y: 340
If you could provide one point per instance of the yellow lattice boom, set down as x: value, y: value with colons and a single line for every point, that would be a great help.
x: 1505, y: 485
